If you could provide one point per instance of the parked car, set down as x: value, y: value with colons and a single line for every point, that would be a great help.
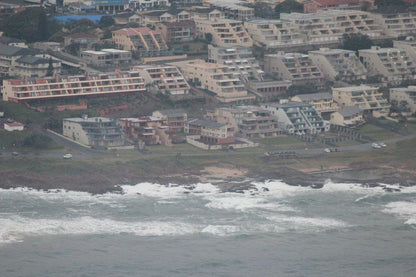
x: 327, y: 150
x: 67, y: 156
x: 376, y: 145
x: 382, y: 144
x: 15, y: 153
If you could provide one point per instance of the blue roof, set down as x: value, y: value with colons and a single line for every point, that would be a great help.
x: 67, y: 18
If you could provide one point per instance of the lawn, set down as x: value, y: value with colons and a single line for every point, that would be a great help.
x: 376, y: 133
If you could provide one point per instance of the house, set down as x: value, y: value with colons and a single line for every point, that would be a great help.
x: 85, y: 41
x: 233, y: 10
x: 13, y: 126
x: 347, y: 116
x: 98, y: 132
x: 34, y: 67
x: 296, y: 118
x: 367, y: 98
x: 147, y: 129
x: 175, y: 119
x: 404, y: 98
x: 13, y: 42
x: 9, y: 55
x: 211, y: 133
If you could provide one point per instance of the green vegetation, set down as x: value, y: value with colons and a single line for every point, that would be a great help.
x: 356, y: 42
x: 376, y: 133
x: 26, y: 139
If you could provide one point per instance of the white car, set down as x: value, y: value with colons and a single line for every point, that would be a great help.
x: 376, y: 145
x: 327, y: 150
x: 382, y: 144
x: 67, y: 156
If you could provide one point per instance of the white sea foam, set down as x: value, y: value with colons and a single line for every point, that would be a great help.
x: 221, y: 230
x: 306, y: 223
x: 16, y: 228
x: 404, y: 210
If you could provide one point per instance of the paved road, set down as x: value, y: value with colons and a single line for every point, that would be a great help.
x: 79, y: 152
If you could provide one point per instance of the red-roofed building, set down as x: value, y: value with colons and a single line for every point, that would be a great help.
x: 13, y: 126
x: 318, y: 5
x: 142, y: 40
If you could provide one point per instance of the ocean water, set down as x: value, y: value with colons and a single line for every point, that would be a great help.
x: 272, y: 229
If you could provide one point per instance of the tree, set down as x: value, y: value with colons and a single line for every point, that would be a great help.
x: 262, y: 9
x: 106, y: 21
x: 356, y: 42
x: 43, y: 26
x: 49, y: 72
x: 208, y: 37
x: 288, y: 6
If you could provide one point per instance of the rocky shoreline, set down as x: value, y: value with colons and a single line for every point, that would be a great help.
x: 229, y: 179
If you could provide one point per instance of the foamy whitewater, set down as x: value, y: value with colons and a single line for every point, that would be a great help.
x: 271, y: 229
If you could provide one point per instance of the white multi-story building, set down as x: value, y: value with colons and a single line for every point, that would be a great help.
x: 167, y: 78
x: 274, y: 33
x: 404, y: 98
x: 367, y: 98
x: 398, y: 24
x: 239, y: 59
x: 329, y: 26
x: 392, y: 64
x: 106, y: 57
x: 408, y: 45
x: 224, y: 32
x: 297, y: 67
x: 339, y: 64
x: 233, y: 10
x: 217, y: 78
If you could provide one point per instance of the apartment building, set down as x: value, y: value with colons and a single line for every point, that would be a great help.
x: 210, y: 132
x: 274, y: 33
x: 148, y: 4
x: 249, y: 122
x: 408, y: 45
x: 217, y: 78
x: 85, y: 41
x: 180, y: 31
x: 326, y: 27
x: 296, y: 118
x: 96, y: 132
x: 367, y: 98
x: 224, y: 32
x: 143, y: 40
x: 392, y: 64
x: 404, y: 98
x: 239, y: 59
x: 268, y: 89
x: 149, y: 130
x: 151, y: 18
x: 13, y: 42
x: 167, y: 78
x: 296, y: 67
x: 34, y: 67
x: 175, y: 119
x: 19, y: 90
x: 322, y: 101
x: 398, y: 24
x: 204, y: 13
x: 110, y: 6
x: 106, y: 57
x: 339, y: 64
x: 9, y: 55
x: 233, y: 10
x: 314, y: 6
x: 347, y: 116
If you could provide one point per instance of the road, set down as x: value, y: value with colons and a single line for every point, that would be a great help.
x: 80, y: 152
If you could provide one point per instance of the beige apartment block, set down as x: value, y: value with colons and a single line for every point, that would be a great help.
x: 143, y: 40
x: 217, y: 78
x: 167, y: 78
x: 297, y: 67
x: 367, y: 98
x: 398, y: 24
x: 204, y: 13
x: 323, y: 101
x: 274, y: 33
x: 329, y: 26
x: 408, y: 45
x: 404, y: 98
x: 339, y: 64
x: 392, y: 64
x: 313, y: 6
x: 224, y: 32
x: 106, y: 57
x: 18, y: 90
x: 233, y: 10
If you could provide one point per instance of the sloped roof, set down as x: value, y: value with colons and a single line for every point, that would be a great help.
x: 6, y: 50
x: 34, y: 60
x: 206, y: 123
